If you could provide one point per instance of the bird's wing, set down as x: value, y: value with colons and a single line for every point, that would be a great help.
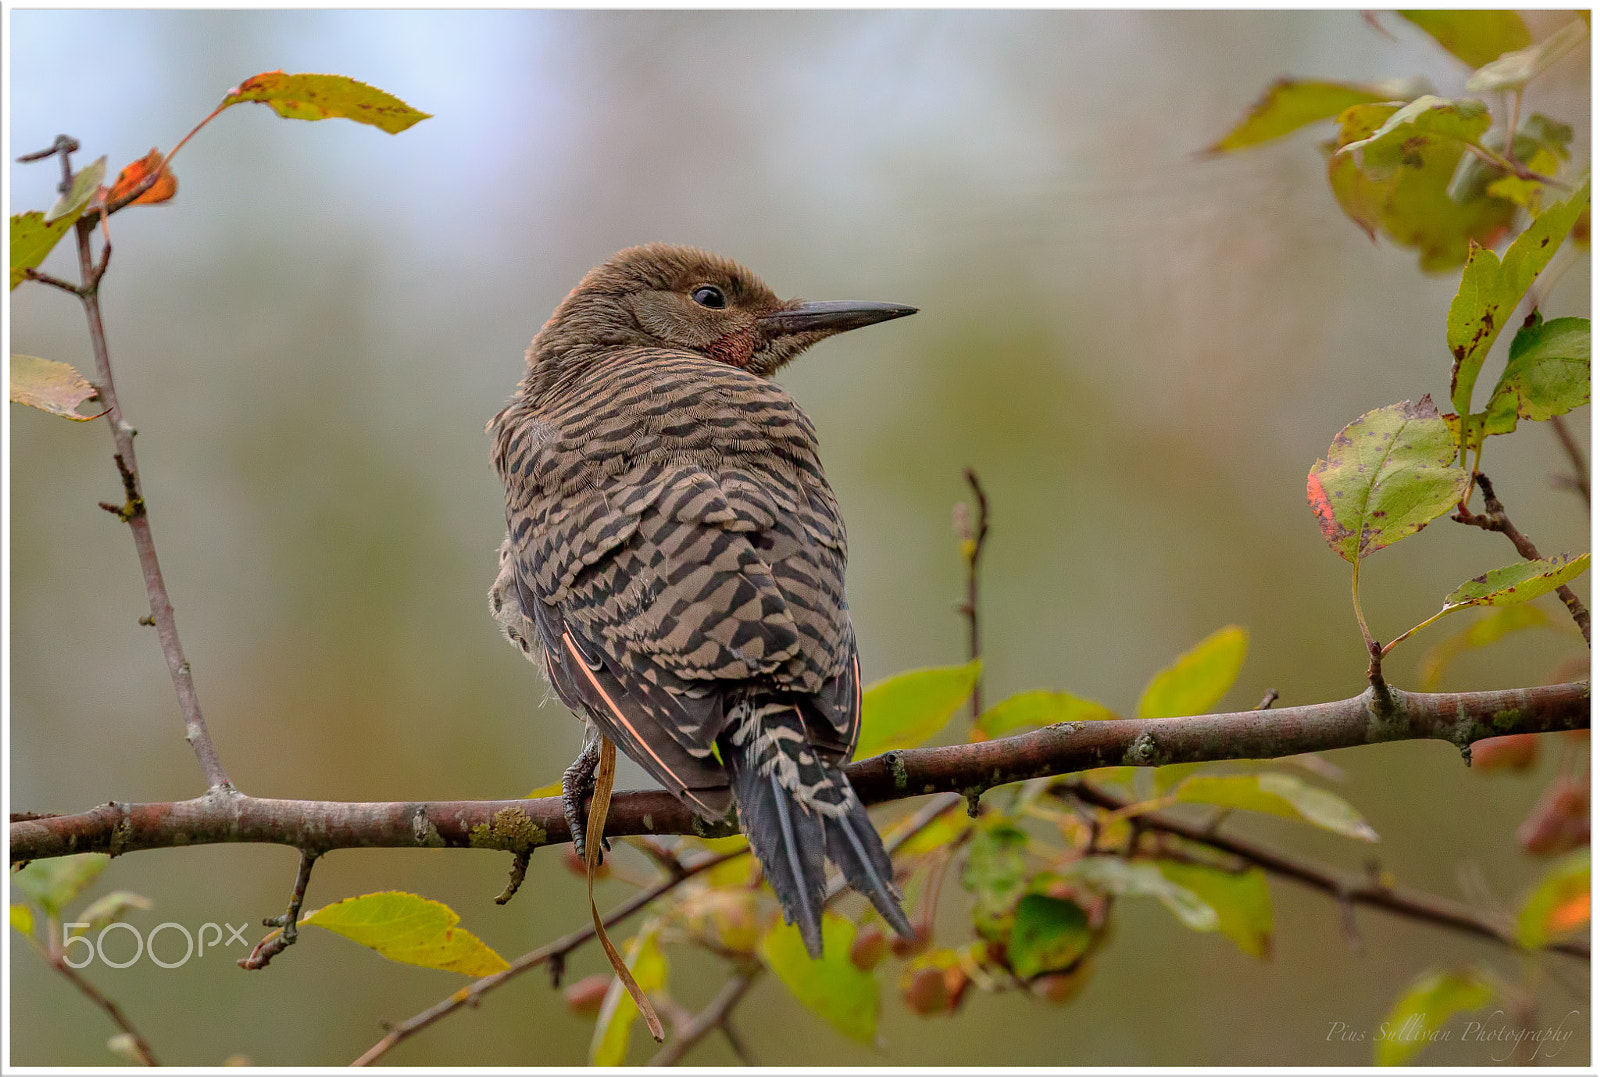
x: 701, y: 549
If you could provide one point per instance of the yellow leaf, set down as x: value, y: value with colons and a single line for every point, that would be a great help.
x: 326, y: 97
x: 410, y: 929
x: 905, y: 710
x: 831, y: 986
x: 1199, y: 677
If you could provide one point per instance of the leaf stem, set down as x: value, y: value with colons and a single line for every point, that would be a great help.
x: 1418, y: 628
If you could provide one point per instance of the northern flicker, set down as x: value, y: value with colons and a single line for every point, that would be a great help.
x: 674, y: 558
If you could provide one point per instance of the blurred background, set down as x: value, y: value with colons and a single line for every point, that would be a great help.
x: 1140, y: 350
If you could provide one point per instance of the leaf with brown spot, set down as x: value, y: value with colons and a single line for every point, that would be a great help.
x: 1517, y: 583
x: 165, y: 186
x: 1491, y: 288
x: 1414, y: 127
x: 1547, y: 374
x: 50, y: 386
x: 326, y: 97
x: 1400, y: 170
x: 1386, y: 476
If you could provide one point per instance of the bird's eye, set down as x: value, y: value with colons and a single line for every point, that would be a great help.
x: 709, y: 295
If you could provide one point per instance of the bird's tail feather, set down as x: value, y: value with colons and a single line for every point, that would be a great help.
x: 797, y: 811
x: 854, y: 845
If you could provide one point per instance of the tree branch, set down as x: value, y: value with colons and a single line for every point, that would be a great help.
x: 707, y: 1020
x: 968, y: 769
x: 1402, y: 901
x: 1494, y: 518
x: 136, y: 1042
x: 132, y: 511
x: 555, y: 953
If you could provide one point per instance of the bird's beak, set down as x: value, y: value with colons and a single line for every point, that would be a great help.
x: 832, y: 316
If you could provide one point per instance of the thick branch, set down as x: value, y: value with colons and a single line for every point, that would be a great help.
x: 969, y: 769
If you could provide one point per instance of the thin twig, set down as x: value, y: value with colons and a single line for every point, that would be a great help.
x: 288, y: 923
x: 736, y: 1042
x: 709, y: 1019
x: 1413, y: 904
x: 972, y: 535
x: 1579, y: 479
x: 90, y: 272
x: 141, y: 1046
x: 1494, y: 518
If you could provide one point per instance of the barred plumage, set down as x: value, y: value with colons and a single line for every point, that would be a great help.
x: 674, y: 558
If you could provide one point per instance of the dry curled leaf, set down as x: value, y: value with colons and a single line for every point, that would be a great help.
x: 164, y: 187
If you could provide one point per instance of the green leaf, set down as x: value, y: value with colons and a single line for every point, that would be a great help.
x: 1491, y: 288
x: 325, y: 97
x: 1386, y: 476
x: 1028, y: 710
x: 1515, y: 70
x: 1241, y: 900
x: 1115, y: 875
x: 411, y: 929
x: 1480, y: 633
x: 84, y: 183
x: 1049, y: 934
x: 996, y: 874
x: 52, y: 884
x: 1421, y: 203
x: 1474, y: 36
x: 32, y: 239
x: 1558, y: 903
x: 1201, y: 676
x: 905, y: 710
x: 113, y: 907
x: 1428, y: 1003
x: 1290, y: 104
x: 937, y: 834
x: 50, y: 386
x: 648, y: 964
x: 1276, y: 794
x: 22, y: 920
x: 1414, y: 127
x: 1547, y: 374
x: 1517, y: 583
x: 832, y: 987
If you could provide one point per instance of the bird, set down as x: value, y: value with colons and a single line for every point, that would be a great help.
x: 674, y: 559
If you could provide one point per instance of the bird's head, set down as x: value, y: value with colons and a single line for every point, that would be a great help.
x: 661, y: 296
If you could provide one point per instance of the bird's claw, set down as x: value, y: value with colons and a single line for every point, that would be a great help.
x: 577, y: 785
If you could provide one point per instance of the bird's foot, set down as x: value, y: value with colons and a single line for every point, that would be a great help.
x: 577, y: 786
